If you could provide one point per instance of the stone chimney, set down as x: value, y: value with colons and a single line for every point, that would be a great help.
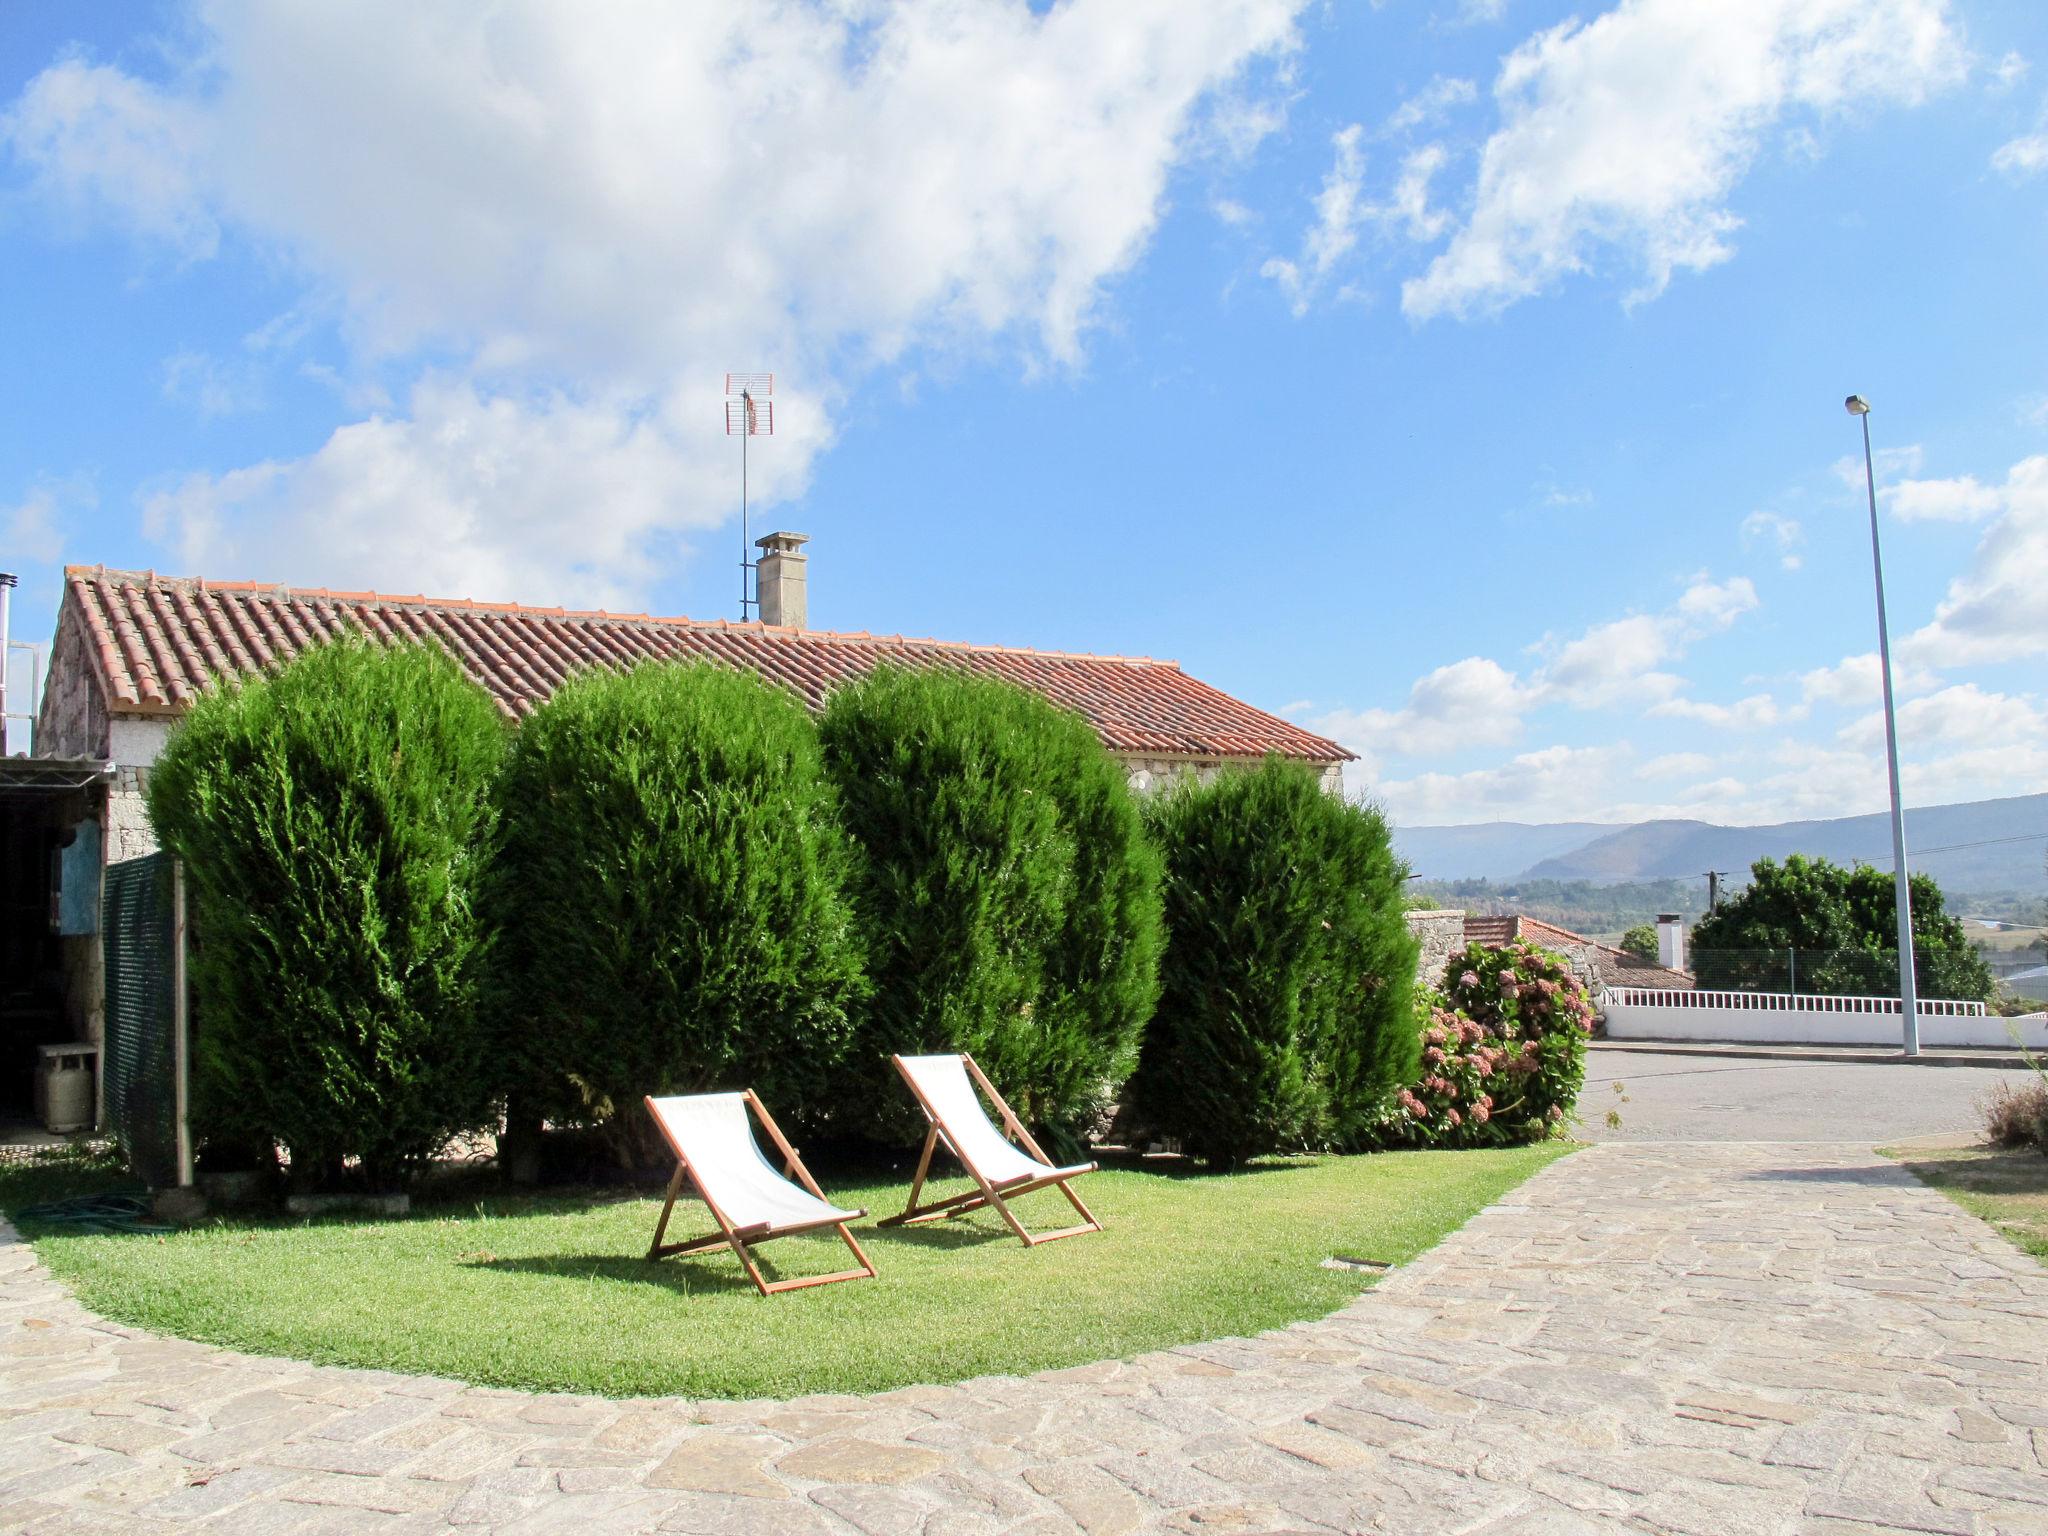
x: 1671, y: 941
x: 781, y: 588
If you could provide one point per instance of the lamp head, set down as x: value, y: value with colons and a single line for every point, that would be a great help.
x: 1858, y: 406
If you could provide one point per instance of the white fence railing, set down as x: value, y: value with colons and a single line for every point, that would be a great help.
x: 1785, y: 1018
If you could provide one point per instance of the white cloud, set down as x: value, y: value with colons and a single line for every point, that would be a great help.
x: 1335, y: 230
x: 1619, y: 662
x: 554, y: 500
x: 1886, y: 464
x: 1854, y: 682
x: 1473, y: 12
x: 1674, y: 765
x: 1629, y: 133
x: 1614, y: 663
x: 211, y: 386
x: 1431, y: 103
x: 105, y: 144
x: 2022, y: 156
x: 2009, y: 71
x: 1557, y: 783
x: 1994, y: 610
x: 1784, y: 533
x: 34, y: 526
x: 1477, y: 702
x: 1471, y: 703
x: 1410, y: 203
x: 601, y: 210
x: 1750, y: 714
x: 1962, y: 500
x: 1343, y: 212
x: 1963, y: 718
x: 1718, y: 604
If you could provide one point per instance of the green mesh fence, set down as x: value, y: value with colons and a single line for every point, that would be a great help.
x: 137, y: 931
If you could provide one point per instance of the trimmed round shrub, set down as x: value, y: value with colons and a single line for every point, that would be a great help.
x: 334, y: 820
x: 1008, y: 895
x: 670, y: 901
x: 1284, y: 1017
x: 1503, y: 1052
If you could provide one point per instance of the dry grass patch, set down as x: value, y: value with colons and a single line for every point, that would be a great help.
x: 2009, y: 1189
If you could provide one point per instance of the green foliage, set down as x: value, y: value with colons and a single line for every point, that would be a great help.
x: 1008, y: 896
x: 1503, y: 1052
x: 1641, y: 941
x: 1283, y: 1020
x: 671, y: 898
x: 1844, y: 925
x: 333, y: 820
x: 1583, y: 906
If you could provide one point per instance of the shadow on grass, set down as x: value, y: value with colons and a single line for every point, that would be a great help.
x: 1187, y: 1168
x: 949, y: 1235
x: 710, y: 1273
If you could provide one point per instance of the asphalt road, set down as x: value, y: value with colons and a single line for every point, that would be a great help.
x: 1691, y: 1098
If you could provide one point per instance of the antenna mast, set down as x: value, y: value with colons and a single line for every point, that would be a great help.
x: 749, y: 412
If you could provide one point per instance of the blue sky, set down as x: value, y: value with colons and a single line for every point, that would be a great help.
x: 1461, y: 377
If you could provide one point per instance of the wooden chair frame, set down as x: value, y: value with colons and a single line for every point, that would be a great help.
x: 987, y: 1192
x: 737, y: 1238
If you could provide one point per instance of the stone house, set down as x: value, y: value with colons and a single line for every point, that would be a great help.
x: 132, y: 651
x: 1443, y: 933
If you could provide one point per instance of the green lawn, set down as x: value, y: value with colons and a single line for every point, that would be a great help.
x: 2007, y: 1189
x: 550, y: 1292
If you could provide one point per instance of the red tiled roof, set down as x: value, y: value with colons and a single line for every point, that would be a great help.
x: 157, y: 642
x: 1622, y: 967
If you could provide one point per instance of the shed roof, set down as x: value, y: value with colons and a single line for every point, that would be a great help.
x: 158, y: 641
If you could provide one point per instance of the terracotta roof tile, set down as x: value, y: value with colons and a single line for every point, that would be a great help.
x: 161, y: 640
x: 1621, y: 967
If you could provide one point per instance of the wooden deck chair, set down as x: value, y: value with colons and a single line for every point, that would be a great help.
x: 945, y: 1090
x: 716, y: 1151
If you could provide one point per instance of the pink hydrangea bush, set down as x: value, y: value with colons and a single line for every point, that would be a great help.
x: 1503, y: 1052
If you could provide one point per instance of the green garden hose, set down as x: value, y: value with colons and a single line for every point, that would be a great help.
x: 95, y: 1213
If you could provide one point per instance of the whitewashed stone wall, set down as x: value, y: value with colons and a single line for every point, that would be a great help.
x: 129, y: 833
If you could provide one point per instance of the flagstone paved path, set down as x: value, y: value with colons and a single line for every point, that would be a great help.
x: 1716, y: 1339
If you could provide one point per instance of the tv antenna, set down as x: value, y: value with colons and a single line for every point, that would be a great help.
x: 749, y: 412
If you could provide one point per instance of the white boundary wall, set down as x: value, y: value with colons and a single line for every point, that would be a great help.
x: 1786, y: 1018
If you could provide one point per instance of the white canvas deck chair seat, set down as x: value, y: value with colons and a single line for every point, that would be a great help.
x: 945, y: 1090
x: 751, y: 1202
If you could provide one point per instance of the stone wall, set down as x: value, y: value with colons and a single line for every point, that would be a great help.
x: 73, y: 718
x: 1441, y: 934
x: 1149, y: 773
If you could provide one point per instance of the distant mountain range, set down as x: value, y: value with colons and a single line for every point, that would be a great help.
x: 1954, y: 843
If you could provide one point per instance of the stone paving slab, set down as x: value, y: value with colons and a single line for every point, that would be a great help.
x: 1698, y: 1340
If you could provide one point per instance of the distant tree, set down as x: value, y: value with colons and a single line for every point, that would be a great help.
x: 1641, y: 941
x: 1842, y: 927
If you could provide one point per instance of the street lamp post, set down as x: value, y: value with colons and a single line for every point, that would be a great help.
x: 1908, y: 992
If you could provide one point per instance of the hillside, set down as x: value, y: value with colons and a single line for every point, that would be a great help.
x: 1493, y: 850
x: 1663, y: 850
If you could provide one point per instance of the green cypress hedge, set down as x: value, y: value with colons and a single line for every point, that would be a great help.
x: 333, y: 820
x: 671, y: 902
x: 1284, y: 1022
x: 1008, y: 894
